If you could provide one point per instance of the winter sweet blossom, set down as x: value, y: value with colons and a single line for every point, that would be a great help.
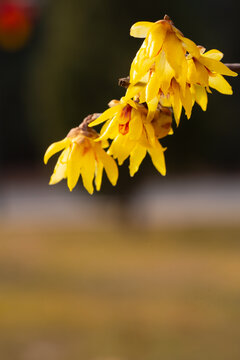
x: 169, y: 74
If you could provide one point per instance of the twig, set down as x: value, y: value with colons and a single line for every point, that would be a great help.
x: 124, y: 82
x: 88, y: 119
x: 83, y: 128
x: 234, y: 67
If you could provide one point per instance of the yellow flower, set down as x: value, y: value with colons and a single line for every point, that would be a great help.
x: 162, y: 122
x: 162, y: 48
x: 133, y: 134
x: 205, y: 70
x: 124, y: 116
x: 174, y: 97
x: 159, y: 70
x: 81, y: 156
x: 173, y: 70
x: 122, y: 147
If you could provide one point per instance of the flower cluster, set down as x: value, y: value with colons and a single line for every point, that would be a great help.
x: 81, y: 155
x: 168, y: 73
x: 133, y: 135
x: 172, y: 70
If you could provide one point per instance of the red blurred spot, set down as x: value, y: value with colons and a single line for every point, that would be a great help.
x: 15, y: 25
x: 11, y: 17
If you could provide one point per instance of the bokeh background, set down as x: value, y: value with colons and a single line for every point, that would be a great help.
x: 149, y: 269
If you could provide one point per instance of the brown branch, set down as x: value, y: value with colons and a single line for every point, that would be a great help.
x: 234, y: 67
x: 124, y: 82
x: 83, y: 128
x: 88, y: 119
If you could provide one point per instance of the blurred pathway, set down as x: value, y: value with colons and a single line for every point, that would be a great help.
x: 190, y: 201
x: 179, y: 202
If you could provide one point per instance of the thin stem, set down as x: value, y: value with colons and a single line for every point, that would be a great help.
x: 124, y: 82
x: 87, y: 120
x: 234, y: 67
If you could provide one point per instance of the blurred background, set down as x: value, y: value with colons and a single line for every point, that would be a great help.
x: 147, y: 270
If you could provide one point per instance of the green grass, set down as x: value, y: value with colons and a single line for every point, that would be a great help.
x: 123, y: 294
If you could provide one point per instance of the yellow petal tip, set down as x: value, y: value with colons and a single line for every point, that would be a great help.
x: 51, y: 182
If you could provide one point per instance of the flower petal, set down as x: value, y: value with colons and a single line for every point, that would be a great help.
x: 60, y: 170
x: 175, y: 55
x: 150, y: 134
x: 176, y: 102
x: 190, y: 46
x: 201, y: 74
x: 121, y: 148
x: 136, y: 158
x: 165, y: 71
x: 152, y: 87
x: 132, y: 103
x: 98, y: 175
x: 135, y: 125
x: 201, y: 96
x: 55, y: 147
x: 116, y: 146
x: 138, y: 72
x: 152, y: 107
x: 155, y: 40
x: 192, y: 72
x: 218, y: 83
x: 74, y: 165
x: 125, y: 151
x: 88, y: 169
x: 140, y: 29
x: 110, y: 130
x: 165, y: 101
x: 109, y: 164
x: 214, y: 54
x: 158, y: 159
x: 107, y: 114
x: 216, y: 66
x: 134, y: 90
x: 187, y: 101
